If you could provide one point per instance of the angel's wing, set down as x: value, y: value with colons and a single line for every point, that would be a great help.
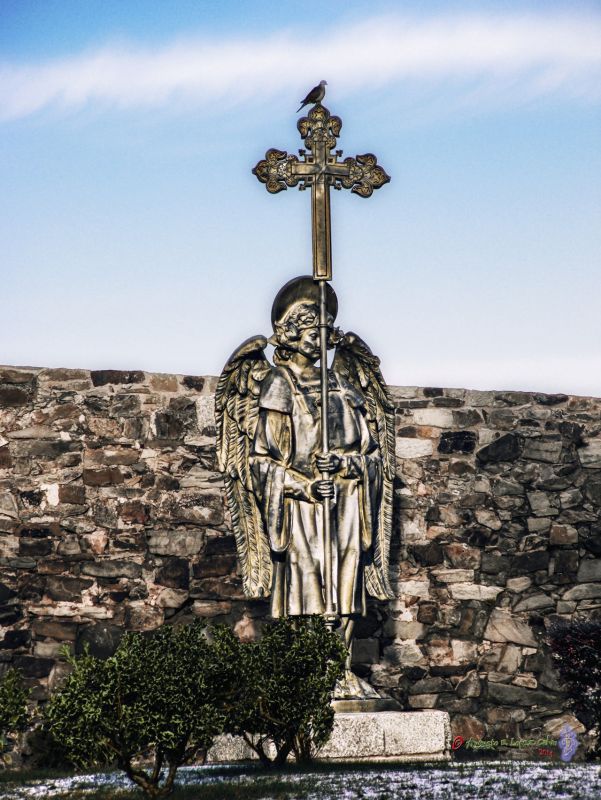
x: 237, y: 413
x: 355, y: 362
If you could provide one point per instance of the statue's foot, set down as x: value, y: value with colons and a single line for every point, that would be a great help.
x: 351, y: 687
x: 352, y: 694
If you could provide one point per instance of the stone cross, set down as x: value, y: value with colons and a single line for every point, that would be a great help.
x: 320, y: 168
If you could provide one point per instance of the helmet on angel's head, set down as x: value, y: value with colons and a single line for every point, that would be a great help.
x: 296, y: 308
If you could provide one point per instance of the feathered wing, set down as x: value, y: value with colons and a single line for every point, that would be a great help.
x: 355, y: 362
x: 237, y: 413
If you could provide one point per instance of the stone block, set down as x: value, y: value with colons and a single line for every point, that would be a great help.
x: 112, y: 568
x: 403, y: 654
x: 427, y: 613
x: 462, y: 556
x: 413, y: 448
x: 584, y: 591
x: 65, y: 587
x: 403, y: 628
x: 519, y: 584
x: 171, y: 598
x: 592, y: 489
x: 590, y: 456
x: 69, y: 546
x: 389, y: 734
x: 194, y: 382
x: 503, y: 627
x: 427, y: 554
x: 534, y: 602
x: 32, y: 666
x: 590, y: 570
x: 107, y: 476
x: 176, y: 542
x: 175, y: 573
x: 544, y: 448
x: 507, y: 487
x: 511, y: 695
x: 422, y: 700
x: 72, y: 493
x: 102, y: 377
x: 142, y: 617
x: 434, y: 417
x: 414, y: 588
x: 34, y: 432
x: 470, y: 686
x: 457, y: 442
x: 430, y: 686
x: 542, y: 505
x: 488, y: 519
x: 16, y: 639
x: 538, y: 524
x: 34, y: 547
x: 211, y: 608
x: 527, y: 681
x: 505, y: 448
x: 63, y: 630
x: 17, y: 375
x: 474, y: 591
x: 453, y: 575
x: 565, y: 564
x: 530, y: 561
x: 13, y: 396
x: 570, y: 498
x: 215, y: 566
x: 494, y: 563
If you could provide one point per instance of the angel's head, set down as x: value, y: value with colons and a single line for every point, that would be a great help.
x: 295, y: 319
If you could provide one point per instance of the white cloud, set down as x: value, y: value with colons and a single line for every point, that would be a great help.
x: 535, y: 55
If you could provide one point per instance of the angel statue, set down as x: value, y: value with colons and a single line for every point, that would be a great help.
x: 269, y: 450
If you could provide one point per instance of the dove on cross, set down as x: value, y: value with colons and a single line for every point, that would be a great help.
x: 316, y: 95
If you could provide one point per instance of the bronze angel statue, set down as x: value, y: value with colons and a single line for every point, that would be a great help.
x: 269, y: 449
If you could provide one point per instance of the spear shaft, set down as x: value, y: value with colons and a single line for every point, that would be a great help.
x: 329, y: 613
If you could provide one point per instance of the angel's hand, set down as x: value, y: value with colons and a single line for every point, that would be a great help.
x: 328, y: 462
x: 322, y: 489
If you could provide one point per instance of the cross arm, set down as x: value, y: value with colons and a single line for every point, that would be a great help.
x: 279, y: 170
x: 362, y: 175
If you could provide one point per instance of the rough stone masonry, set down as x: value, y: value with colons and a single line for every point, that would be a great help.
x: 112, y: 518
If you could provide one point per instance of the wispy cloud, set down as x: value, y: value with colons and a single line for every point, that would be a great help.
x: 522, y: 56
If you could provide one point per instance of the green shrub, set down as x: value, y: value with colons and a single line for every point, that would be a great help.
x: 285, y: 689
x: 13, y: 705
x: 160, y: 694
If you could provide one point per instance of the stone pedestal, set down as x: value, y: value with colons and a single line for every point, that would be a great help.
x: 389, y: 735
x: 367, y: 736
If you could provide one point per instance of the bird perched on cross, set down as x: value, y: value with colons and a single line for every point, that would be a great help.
x: 316, y: 95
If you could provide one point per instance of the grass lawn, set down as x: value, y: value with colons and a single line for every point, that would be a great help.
x: 506, y: 780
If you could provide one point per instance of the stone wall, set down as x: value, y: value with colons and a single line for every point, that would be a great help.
x: 112, y: 518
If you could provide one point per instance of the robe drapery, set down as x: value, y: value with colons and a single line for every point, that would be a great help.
x: 287, y: 439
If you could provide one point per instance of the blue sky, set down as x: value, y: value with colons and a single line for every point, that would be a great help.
x: 133, y: 234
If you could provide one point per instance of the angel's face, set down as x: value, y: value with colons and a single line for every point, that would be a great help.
x: 308, y: 343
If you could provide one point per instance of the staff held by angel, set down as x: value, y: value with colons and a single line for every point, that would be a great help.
x: 270, y: 451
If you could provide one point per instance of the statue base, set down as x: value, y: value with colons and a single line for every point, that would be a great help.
x: 401, y: 736
x: 389, y: 736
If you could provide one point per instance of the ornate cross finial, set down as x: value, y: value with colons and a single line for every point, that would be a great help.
x: 320, y: 168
